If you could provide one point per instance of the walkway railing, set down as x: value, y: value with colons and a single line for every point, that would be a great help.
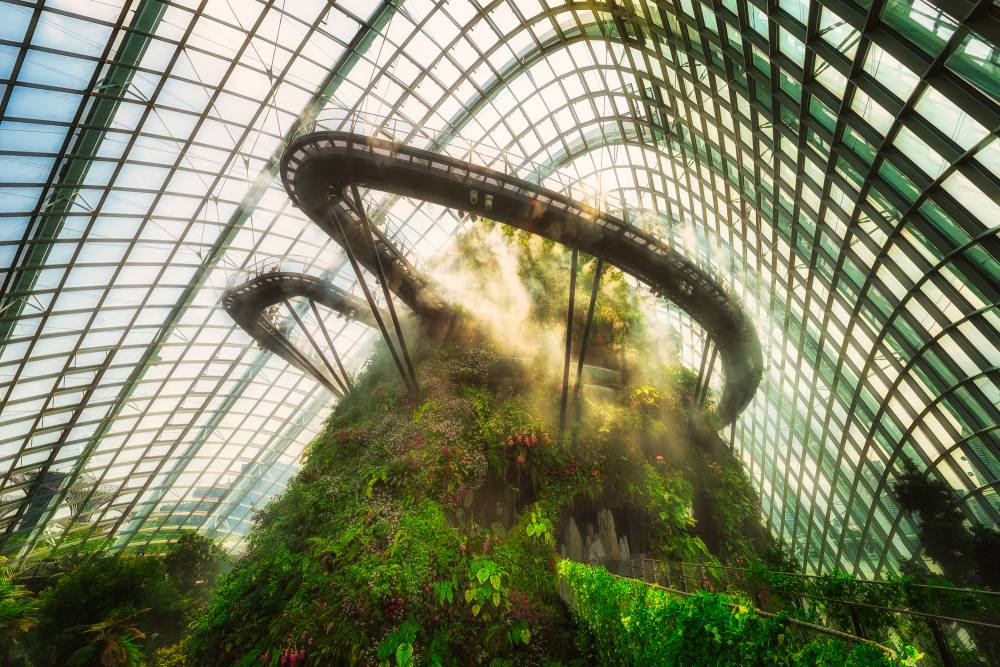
x: 566, y: 593
x: 790, y: 592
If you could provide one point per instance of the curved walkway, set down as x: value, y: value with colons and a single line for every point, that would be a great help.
x: 247, y: 303
x: 317, y: 167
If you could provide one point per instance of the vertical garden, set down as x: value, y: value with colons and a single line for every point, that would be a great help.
x: 461, y: 526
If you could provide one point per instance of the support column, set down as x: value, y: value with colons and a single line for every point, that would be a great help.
x: 333, y: 350
x: 594, y: 290
x: 569, y: 344
x: 368, y: 296
x: 369, y: 232
x: 312, y: 341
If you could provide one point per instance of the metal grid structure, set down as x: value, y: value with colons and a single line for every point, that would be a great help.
x: 837, y: 160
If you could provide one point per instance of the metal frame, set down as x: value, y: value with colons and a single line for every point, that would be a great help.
x: 864, y: 283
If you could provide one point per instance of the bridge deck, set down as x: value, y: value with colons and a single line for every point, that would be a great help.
x: 317, y: 167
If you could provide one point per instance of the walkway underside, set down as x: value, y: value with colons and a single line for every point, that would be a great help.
x: 318, y: 168
x: 249, y: 303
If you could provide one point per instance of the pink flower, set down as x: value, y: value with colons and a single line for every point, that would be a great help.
x: 520, y: 438
x: 520, y: 459
x: 659, y: 458
x: 534, y: 439
x: 510, y: 441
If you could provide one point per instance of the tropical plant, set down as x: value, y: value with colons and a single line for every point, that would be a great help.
x: 193, y: 562
x: 486, y: 587
x: 113, y: 641
x: 18, y: 615
x: 628, y: 622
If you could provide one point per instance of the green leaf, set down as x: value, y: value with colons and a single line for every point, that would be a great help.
x: 475, y: 609
x: 496, y: 599
x: 404, y: 655
x: 495, y: 580
x: 482, y: 575
x: 468, y: 595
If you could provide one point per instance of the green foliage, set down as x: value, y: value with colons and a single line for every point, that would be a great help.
x: 628, y: 622
x: 830, y: 598
x: 18, y: 615
x: 539, y: 526
x: 397, y: 647
x: 966, y: 555
x: 444, y: 590
x: 174, y: 655
x: 370, y: 553
x: 113, y: 641
x: 98, y: 598
x: 486, y: 587
x: 118, y: 609
x: 193, y: 562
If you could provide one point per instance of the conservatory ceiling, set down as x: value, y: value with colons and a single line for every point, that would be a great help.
x: 836, y: 163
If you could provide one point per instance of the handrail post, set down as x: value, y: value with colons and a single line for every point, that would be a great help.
x: 942, y: 643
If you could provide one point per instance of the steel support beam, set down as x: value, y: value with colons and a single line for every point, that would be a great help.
x: 358, y: 272
x: 359, y: 208
x: 564, y: 400
x: 577, y: 386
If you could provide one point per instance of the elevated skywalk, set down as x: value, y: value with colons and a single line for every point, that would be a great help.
x: 319, y: 169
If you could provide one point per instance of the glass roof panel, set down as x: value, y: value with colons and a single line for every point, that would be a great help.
x: 849, y: 199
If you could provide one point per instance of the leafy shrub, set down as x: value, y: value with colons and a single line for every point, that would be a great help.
x: 100, y: 605
x: 118, y: 609
x: 193, y: 562
x: 18, y: 615
x: 628, y: 622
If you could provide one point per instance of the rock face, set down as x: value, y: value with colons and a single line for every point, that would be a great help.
x: 600, y: 546
x: 572, y: 542
x: 608, y: 536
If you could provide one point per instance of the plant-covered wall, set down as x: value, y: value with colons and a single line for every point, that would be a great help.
x: 426, y: 529
x: 441, y: 527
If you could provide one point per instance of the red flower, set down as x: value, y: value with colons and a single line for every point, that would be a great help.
x: 520, y: 458
x: 534, y: 439
x: 520, y: 438
x: 596, y: 473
